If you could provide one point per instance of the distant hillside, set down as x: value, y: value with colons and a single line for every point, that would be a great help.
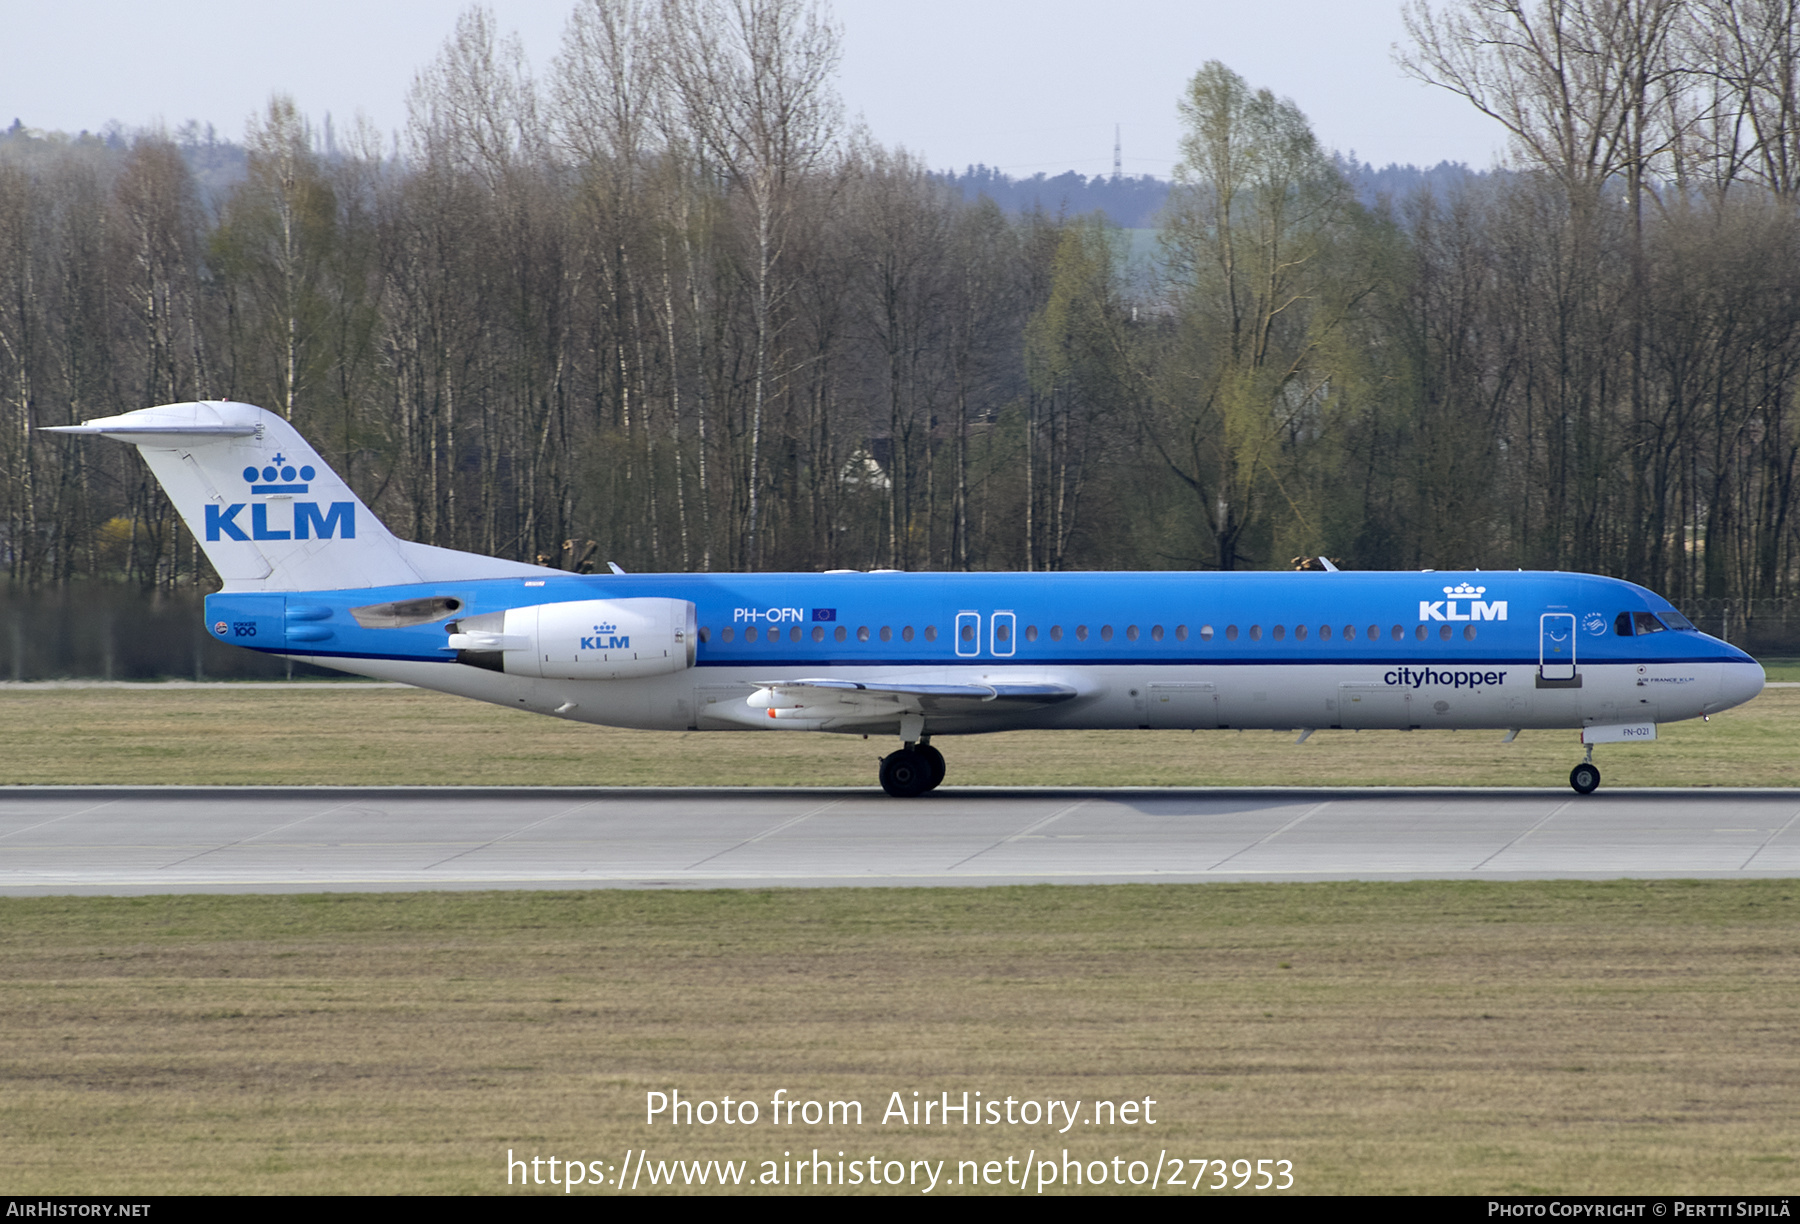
x: 1128, y: 202
x: 1133, y: 202
x: 1394, y: 182
x: 215, y: 164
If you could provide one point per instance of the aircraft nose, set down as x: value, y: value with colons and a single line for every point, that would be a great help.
x: 1738, y: 683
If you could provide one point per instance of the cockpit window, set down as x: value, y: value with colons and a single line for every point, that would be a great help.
x: 1676, y: 620
x: 1645, y: 622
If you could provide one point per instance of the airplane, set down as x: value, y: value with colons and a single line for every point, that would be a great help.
x: 309, y: 573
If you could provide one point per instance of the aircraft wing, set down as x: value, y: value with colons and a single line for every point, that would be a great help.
x: 838, y: 703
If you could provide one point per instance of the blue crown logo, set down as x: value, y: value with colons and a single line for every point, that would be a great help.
x: 606, y: 628
x: 279, y: 477
x: 1463, y: 590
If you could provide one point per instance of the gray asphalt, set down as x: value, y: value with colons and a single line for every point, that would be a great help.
x: 128, y: 840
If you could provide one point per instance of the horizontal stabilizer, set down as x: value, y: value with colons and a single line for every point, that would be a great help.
x: 122, y: 428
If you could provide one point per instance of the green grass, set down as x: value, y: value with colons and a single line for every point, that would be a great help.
x: 1782, y: 668
x: 1627, y: 1037
x: 315, y: 736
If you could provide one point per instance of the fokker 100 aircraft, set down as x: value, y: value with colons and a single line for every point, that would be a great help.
x: 310, y: 574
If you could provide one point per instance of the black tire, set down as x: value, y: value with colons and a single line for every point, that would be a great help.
x: 905, y: 774
x: 1585, y: 778
x: 935, y: 760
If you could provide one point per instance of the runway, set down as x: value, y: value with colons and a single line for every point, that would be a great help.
x: 131, y: 840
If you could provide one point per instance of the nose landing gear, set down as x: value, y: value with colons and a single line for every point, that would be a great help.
x: 1585, y: 777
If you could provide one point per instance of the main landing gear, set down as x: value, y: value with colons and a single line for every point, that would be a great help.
x: 1585, y: 777
x: 915, y: 769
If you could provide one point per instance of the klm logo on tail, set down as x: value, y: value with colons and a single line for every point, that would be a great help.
x: 308, y: 521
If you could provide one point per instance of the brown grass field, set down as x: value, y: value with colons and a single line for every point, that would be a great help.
x: 1629, y: 1037
x: 1536, y: 1037
x: 159, y: 735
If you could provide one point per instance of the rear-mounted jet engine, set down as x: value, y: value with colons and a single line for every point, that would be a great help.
x: 588, y: 639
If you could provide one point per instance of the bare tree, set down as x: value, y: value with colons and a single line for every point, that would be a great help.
x: 1750, y: 53
x: 754, y: 82
x: 1581, y: 85
x: 899, y: 239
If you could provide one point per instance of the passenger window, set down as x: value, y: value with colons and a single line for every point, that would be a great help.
x: 750, y: 634
x: 1444, y: 632
x: 862, y: 633
x: 1324, y: 633
x: 794, y: 634
x: 1468, y: 633
x: 1106, y: 633
x: 1081, y: 633
x: 1375, y: 632
x: 887, y: 633
x: 1419, y: 633
x: 1156, y: 633
x: 1647, y: 623
x: 906, y: 634
x: 818, y: 633
x: 968, y: 631
x: 1231, y: 633
x: 727, y: 633
x: 931, y: 633
x: 1003, y: 632
x: 1131, y: 633
x: 1256, y: 633
x: 1031, y: 633
x: 1278, y: 633
x: 1349, y: 633
x: 841, y: 633
x: 1399, y: 633
x: 1056, y: 633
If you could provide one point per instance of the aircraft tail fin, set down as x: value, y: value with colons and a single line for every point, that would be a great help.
x: 268, y: 511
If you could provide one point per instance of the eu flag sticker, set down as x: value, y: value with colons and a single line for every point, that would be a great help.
x: 824, y: 614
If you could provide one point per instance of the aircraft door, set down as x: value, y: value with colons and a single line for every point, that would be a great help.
x: 1001, y: 630
x: 968, y: 634
x: 1556, y: 651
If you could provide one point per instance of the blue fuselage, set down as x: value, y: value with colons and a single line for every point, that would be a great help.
x: 1494, y: 648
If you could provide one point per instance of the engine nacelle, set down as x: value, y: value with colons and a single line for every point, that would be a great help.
x: 585, y: 639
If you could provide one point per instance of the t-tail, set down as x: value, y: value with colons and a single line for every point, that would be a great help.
x: 268, y: 511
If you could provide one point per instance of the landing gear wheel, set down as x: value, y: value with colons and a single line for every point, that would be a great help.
x: 1585, y: 778
x: 906, y: 773
x: 935, y: 761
